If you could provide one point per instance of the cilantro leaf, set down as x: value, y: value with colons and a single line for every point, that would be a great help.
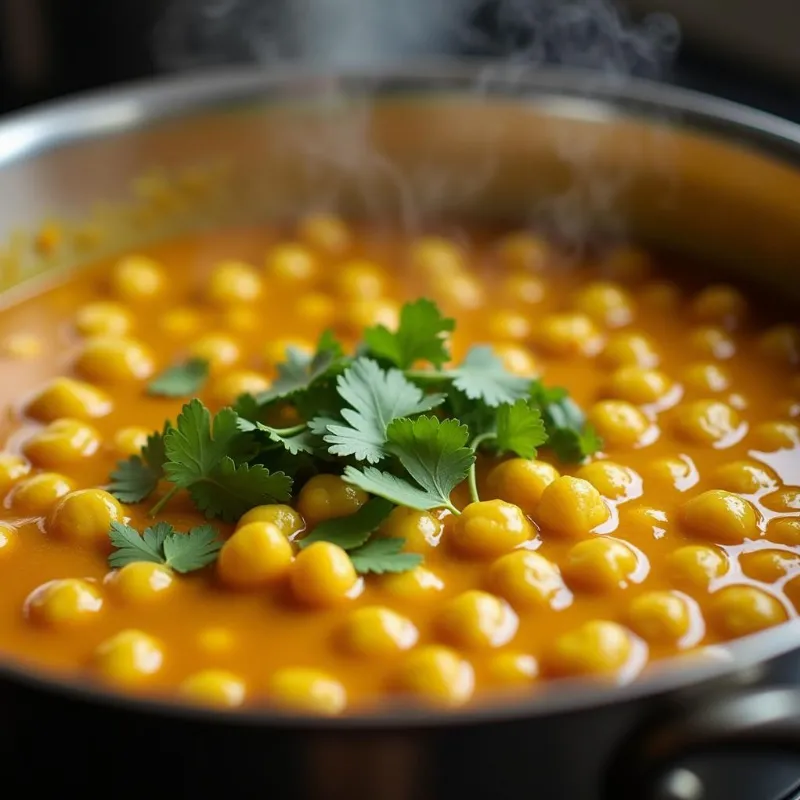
x: 420, y: 336
x: 352, y: 531
x: 294, y: 440
x: 376, y: 397
x: 482, y: 376
x: 520, y: 429
x: 571, y: 445
x: 132, y: 546
x: 383, y: 555
x: 181, y: 380
x: 137, y: 477
x: 390, y: 487
x: 186, y: 552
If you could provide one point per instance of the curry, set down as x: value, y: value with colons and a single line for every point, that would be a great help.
x: 661, y: 515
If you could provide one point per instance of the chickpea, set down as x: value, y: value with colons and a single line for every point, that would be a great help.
x: 516, y: 359
x: 706, y: 378
x: 12, y: 469
x: 323, y: 575
x: 64, y: 603
x: 63, y: 441
x: 218, y: 349
x: 214, y: 687
x: 744, y: 477
x: 462, y: 291
x: 630, y: 349
x: 233, y: 282
x: 601, y: 564
x: 9, y: 539
x: 619, y: 424
x: 696, y: 566
x: 328, y: 497
x: 362, y: 314
x: 434, y: 256
x: 140, y: 582
x: 791, y: 589
x: 285, y: 518
x: 64, y: 397
x: 309, y: 691
x: 720, y: 305
x: 326, y: 233
x: 360, y: 279
x: 770, y: 437
x: 376, y: 632
x: 21, y: 346
x: 257, y: 554
x: 509, y: 326
x: 475, y: 620
x: 521, y: 481
x: 138, y: 279
x: 782, y: 344
x: 527, y: 580
x: 784, y: 501
x: 130, y: 441
x: 107, y: 359
x: 596, y: 647
x: 571, y: 507
x: 769, y: 566
x: 216, y: 640
x: 661, y: 617
x: 712, y: 342
x: 742, y: 610
x: 129, y: 658
x: 523, y: 251
x: 628, y: 264
x: 277, y: 351
x: 420, y: 529
x: 512, y: 669
x: 643, y: 522
x: 84, y: 517
x: 707, y: 422
x: 291, y: 263
x: 608, y: 304
x: 227, y: 389
x: 568, y: 334
x: 39, y: 493
x: 242, y: 319
x: 417, y: 586
x: 490, y: 528
x: 180, y: 322
x: 437, y: 675
x: 103, y: 318
x: 316, y: 310
x: 677, y: 473
x: 720, y: 516
x: 523, y: 289
x: 614, y: 481
x: 784, y: 530
x: 638, y: 385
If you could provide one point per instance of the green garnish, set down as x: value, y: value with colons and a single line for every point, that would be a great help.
x: 182, y: 380
x: 352, y: 412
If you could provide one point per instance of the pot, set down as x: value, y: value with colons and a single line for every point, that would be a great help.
x: 587, y: 156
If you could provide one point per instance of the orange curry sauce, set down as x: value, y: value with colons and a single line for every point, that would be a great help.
x: 704, y: 390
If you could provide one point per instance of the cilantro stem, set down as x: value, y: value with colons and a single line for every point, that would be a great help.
x: 293, y: 431
x: 426, y: 375
x: 164, y: 500
x: 472, y: 478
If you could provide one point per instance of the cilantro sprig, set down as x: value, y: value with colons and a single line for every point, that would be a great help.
x: 181, y: 380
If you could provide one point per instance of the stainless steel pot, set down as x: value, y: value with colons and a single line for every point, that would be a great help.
x: 588, y: 156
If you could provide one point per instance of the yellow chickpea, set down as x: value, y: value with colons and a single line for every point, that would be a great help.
x: 608, y: 304
x: 782, y: 344
x: 309, y: 691
x: 721, y: 305
x: 232, y: 283
x: 420, y: 529
x: 742, y: 610
x: 63, y: 441
x: 512, y: 669
x: 218, y: 349
x: 476, y: 620
x: 325, y: 232
x: 643, y: 522
x: 129, y: 658
x: 328, y: 497
x: 291, y: 263
x: 744, y: 477
x: 362, y: 314
x: 138, y: 279
x: 84, y: 516
x: 791, y: 589
x: 784, y: 501
x: 527, y: 580
x: 638, y: 385
x: 277, y: 350
x: 103, y: 318
x: 601, y: 564
x: 629, y: 264
x: 130, y: 441
x: 784, y: 530
x: 323, y: 575
x: 676, y: 473
x: 614, y: 481
x: 712, y: 342
x: 707, y: 422
x: 39, y: 493
x: 523, y: 251
x: 360, y: 279
x: 257, y: 554
x: 696, y: 566
x: 490, y: 528
x: 517, y: 359
x: 227, y: 389
x: 509, y: 326
x: 214, y: 687
x: 571, y: 507
x: 243, y: 318
x: 620, y: 424
x: 630, y: 349
x: 437, y: 675
x: 521, y: 482
x: 140, y: 582
x: 180, y: 322
x: 660, y: 617
x: 568, y: 334
x: 216, y: 640
x: 9, y: 539
x: 285, y: 518
x: 595, y: 648
x: 434, y: 256
x: 22, y: 346
x: 418, y: 586
x: 523, y: 289
x: 376, y: 632
x: 64, y: 603
x: 13, y: 468
x: 116, y: 359
x: 316, y: 310
x: 769, y: 437
x: 65, y: 397
x: 769, y: 566
x: 720, y: 516
x: 706, y: 378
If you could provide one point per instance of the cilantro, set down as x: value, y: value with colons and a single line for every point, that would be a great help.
x: 137, y: 477
x: 299, y: 439
x: 352, y: 531
x: 182, y: 380
x: 572, y: 445
x: 482, y: 376
x: 162, y: 544
x: 520, y: 429
x: 383, y: 555
x: 376, y: 397
x: 420, y: 336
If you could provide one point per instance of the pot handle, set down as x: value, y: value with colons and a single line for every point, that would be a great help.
x: 753, y: 721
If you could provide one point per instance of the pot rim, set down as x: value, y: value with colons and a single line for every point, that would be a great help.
x: 134, y: 105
